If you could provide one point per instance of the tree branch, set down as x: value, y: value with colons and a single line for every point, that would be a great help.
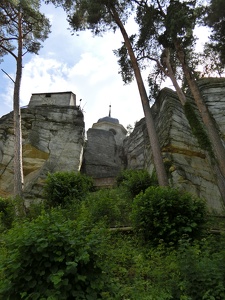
x: 8, y: 75
x: 157, y: 62
x: 9, y: 51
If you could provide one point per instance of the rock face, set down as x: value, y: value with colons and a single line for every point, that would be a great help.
x: 103, y: 155
x: 53, y: 139
x: 187, y: 163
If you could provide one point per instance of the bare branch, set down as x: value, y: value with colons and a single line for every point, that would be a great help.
x: 8, y: 75
x: 157, y: 62
x: 9, y: 51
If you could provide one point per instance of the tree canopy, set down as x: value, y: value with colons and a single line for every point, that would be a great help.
x: 35, y: 27
x: 216, y: 21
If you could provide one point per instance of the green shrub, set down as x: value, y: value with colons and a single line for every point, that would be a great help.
x: 7, y: 213
x: 167, y: 214
x: 202, y: 272
x: 111, y: 205
x: 142, y: 273
x: 135, y: 181
x: 53, y: 258
x: 61, y: 188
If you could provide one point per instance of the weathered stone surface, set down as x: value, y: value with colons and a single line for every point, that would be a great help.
x: 189, y: 165
x: 53, y: 138
x: 102, y: 156
x: 53, y: 141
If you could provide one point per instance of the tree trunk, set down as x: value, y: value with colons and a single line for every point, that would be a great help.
x: 219, y: 177
x: 172, y: 77
x: 18, y: 166
x: 154, y: 142
x: 214, y: 137
x: 213, y: 134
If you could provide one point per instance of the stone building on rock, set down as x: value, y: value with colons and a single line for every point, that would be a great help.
x: 54, y: 140
x: 103, y: 155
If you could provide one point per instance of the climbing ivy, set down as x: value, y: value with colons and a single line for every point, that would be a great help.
x: 197, y: 128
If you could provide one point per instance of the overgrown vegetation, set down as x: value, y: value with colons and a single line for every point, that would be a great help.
x: 165, y: 214
x: 135, y: 181
x: 53, y: 258
x: 197, y: 128
x: 7, y: 213
x: 72, y: 252
x: 61, y: 188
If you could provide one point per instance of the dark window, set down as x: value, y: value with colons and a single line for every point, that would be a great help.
x: 113, y: 131
x: 48, y: 95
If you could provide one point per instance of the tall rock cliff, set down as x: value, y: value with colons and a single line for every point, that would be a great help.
x: 53, y: 138
x: 188, y: 165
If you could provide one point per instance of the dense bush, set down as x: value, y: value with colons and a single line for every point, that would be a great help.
x: 61, y: 188
x: 52, y: 258
x: 135, y: 181
x: 201, y: 271
x: 7, y: 213
x: 111, y: 205
x: 167, y: 214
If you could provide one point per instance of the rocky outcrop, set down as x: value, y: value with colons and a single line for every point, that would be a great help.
x: 103, y: 158
x: 188, y: 165
x: 53, y: 139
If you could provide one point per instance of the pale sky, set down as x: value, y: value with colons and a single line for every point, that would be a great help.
x: 82, y: 64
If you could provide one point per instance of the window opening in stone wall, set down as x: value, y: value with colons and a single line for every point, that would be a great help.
x: 48, y: 95
x: 113, y: 131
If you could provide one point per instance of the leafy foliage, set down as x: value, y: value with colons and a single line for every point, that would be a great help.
x: 197, y: 128
x: 95, y: 15
x: 111, y: 205
x: 179, y: 22
x: 140, y: 271
x: 215, y: 20
x: 7, y: 213
x: 211, y: 62
x: 52, y: 258
x: 135, y: 181
x: 205, y: 278
x: 63, y: 187
x: 35, y: 26
x: 59, y: 255
x: 125, y: 64
x: 165, y: 214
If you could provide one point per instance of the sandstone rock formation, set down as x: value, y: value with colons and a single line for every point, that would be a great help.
x: 53, y: 138
x: 103, y: 154
x: 187, y: 163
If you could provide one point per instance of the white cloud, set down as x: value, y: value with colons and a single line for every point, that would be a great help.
x: 84, y: 65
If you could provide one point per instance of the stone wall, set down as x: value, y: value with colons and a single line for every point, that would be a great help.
x: 53, y: 139
x: 59, y: 99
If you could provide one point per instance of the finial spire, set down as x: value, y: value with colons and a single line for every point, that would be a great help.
x: 110, y: 110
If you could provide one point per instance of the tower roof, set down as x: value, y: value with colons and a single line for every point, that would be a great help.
x: 109, y: 120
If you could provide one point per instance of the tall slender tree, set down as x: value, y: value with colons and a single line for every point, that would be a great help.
x: 170, y: 25
x: 22, y: 28
x: 181, y: 38
x: 100, y: 16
